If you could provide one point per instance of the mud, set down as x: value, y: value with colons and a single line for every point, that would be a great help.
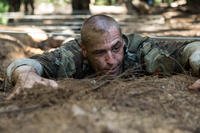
x: 146, y: 104
x: 10, y: 49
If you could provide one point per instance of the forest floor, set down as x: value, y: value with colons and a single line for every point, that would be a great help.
x: 123, y: 104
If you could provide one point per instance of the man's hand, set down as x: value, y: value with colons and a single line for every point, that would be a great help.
x: 25, y: 77
x: 195, y: 85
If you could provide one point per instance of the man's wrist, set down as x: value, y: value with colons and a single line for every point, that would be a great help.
x: 20, y: 71
x: 24, y: 62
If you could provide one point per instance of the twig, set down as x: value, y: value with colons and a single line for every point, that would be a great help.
x: 101, y: 84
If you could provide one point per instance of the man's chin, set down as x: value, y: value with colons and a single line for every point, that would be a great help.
x: 112, y: 72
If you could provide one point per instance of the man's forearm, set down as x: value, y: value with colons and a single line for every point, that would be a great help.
x: 25, y: 69
x: 23, y: 65
x: 191, y: 54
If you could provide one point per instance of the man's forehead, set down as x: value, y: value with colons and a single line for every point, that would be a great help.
x: 109, y: 35
x: 106, y: 43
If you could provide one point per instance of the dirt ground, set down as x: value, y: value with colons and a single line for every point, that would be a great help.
x: 146, y: 104
x: 124, y: 104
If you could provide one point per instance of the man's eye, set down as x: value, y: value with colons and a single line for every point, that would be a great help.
x: 116, y: 48
x: 99, y: 53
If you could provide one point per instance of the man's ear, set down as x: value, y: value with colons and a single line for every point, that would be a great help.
x: 84, y: 51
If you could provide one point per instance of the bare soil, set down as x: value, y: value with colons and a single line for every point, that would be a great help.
x: 146, y: 104
x: 125, y: 104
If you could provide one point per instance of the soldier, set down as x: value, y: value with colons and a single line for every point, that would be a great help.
x: 102, y: 49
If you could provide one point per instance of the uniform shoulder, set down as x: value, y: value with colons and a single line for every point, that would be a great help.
x: 136, y: 36
x: 72, y: 44
x: 134, y: 40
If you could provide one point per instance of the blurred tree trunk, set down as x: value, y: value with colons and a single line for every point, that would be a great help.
x: 139, y: 7
x: 130, y: 7
x: 193, y: 2
x: 119, y: 1
x: 29, y: 6
x: 193, y: 6
x: 109, y: 2
x: 14, y: 5
x: 80, y: 6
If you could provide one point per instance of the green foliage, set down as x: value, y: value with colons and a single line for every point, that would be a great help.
x: 157, y: 2
x: 54, y: 1
x: 3, y: 8
x: 104, y: 2
x: 168, y: 1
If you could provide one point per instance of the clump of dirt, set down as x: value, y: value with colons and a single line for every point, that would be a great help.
x: 10, y: 49
x: 146, y: 104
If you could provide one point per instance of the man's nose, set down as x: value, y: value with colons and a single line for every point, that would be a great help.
x: 110, y: 59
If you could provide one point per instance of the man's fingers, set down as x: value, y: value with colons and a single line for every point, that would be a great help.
x: 16, y: 91
x: 195, y: 85
x: 48, y: 82
x: 54, y: 84
x: 29, y: 84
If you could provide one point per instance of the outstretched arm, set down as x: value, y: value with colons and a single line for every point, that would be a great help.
x: 60, y: 63
x: 24, y: 74
x: 191, y: 54
x: 194, y: 61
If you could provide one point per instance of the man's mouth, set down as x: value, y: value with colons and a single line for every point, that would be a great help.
x: 113, y: 71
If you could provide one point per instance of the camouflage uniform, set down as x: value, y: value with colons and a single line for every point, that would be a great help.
x: 141, y: 53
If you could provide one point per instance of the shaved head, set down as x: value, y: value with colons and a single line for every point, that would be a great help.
x: 97, y: 26
x: 102, y: 44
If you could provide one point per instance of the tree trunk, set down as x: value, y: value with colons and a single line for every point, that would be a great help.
x: 14, y: 5
x: 193, y: 2
x: 109, y: 2
x: 130, y: 7
x: 80, y: 6
x: 140, y: 7
x: 193, y: 6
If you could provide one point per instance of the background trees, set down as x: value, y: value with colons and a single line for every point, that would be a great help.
x: 83, y: 6
x: 80, y: 6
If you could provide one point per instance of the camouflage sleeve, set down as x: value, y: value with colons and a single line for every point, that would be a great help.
x: 155, y: 59
x: 61, y: 62
x: 191, y: 57
x: 157, y: 55
x: 163, y: 56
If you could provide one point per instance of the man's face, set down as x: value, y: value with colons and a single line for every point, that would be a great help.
x: 106, y: 54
